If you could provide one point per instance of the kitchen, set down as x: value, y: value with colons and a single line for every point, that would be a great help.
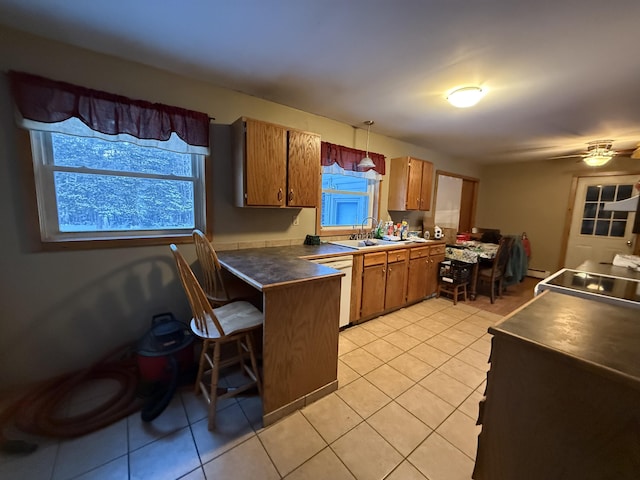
x: 113, y: 292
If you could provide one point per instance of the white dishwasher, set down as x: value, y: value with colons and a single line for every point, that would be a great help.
x: 344, y: 263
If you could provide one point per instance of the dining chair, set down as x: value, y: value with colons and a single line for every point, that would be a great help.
x: 494, y: 275
x: 232, y: 322
x: 219, y: 288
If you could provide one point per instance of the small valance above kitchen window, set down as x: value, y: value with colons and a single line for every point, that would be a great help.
x: 348, y: 158
x: 49, y: 105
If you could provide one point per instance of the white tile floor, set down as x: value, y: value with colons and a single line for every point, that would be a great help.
x: 406, y: 408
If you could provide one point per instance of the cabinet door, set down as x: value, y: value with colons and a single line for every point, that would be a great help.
x: 266, y: 164
x: 373, y: 283
x: 414, y: 184
x: 417, y: 279
x: 426, y: 183
x: 432, y: 276
x: 396, y: 280
x: 303, y: 169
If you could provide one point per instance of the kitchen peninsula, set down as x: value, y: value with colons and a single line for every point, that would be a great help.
x: 301, y: 307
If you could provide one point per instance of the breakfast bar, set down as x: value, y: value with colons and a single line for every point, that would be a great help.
x: 301, y: 305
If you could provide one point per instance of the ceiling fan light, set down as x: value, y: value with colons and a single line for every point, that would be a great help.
x: 597, y: 160
x: 465, y: 97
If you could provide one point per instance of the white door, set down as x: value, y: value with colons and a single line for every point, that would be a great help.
x: 597, y: 234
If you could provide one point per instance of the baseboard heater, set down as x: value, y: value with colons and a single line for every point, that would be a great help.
x: 532, y: 272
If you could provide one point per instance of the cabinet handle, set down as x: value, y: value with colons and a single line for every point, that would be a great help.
x: 280, y: 194
x: 291, y: 195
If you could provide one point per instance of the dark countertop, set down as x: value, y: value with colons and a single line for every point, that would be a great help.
x: 608, y: 269
x: 274, y: 266
x: 599, y: 335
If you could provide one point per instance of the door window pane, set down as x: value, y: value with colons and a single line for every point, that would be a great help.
x: 587, y: 227
x: 593, y: 193
x: 608, y: 222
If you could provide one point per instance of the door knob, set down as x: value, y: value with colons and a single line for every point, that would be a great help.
x: 629, y: 243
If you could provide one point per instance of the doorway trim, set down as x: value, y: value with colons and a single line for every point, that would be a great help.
x: 572, y: 200
x: 474, y: 203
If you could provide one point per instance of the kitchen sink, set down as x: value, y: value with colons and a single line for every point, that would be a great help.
x: 366, y: 243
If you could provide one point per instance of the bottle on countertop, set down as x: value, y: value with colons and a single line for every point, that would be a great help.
x: 404, y: 230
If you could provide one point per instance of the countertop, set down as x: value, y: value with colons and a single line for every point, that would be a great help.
x: 608, y: 269
x: 276, y: 266
x: 598, y: 335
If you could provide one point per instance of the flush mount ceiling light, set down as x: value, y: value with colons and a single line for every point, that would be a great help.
x: 366, y: 162
x: 465, y: 97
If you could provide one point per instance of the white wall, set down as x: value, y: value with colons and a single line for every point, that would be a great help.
x: 60, y: 311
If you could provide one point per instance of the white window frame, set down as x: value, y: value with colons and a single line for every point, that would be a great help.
x: 44, y: 169
x: 373, y: 192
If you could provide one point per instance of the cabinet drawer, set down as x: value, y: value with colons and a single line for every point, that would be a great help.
x: 378, y: 258
x: 419, y: 252
x: 396, y: 256
x: 437, y: 249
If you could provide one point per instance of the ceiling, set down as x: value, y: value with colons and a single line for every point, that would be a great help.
x: 558, y: 73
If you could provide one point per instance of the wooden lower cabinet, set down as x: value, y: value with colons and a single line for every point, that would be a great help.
x: 418, y: 274
x: 432, y: 275
x: 374, y: 278
x: 388, y: 280
x: 396, y: 283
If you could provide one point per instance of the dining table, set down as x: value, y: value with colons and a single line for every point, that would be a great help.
x: 475, y: 253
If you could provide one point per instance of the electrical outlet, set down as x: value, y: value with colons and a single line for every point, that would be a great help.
x: 295, y: 220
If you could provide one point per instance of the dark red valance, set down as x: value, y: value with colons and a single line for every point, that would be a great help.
x: 49, y: 101
x: 348, y: 158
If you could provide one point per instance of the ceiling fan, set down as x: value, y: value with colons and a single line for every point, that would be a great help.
x: 599, y: 152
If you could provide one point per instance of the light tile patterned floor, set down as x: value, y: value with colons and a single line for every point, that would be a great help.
x: 406, y: 408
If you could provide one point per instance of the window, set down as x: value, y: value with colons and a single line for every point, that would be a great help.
x: 108, y: 167
x: 348, y: 198
x: 90, y: 188
x: 600, y: 222
x: 349, y: 195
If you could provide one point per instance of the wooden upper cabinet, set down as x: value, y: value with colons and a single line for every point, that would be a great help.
x: 410, y: 184
x: 303, y: 180
x: 275, y: 166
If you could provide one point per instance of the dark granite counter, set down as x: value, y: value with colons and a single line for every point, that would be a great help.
x: 596, y: 334
x: 562, y: 398
x: 274, y: 266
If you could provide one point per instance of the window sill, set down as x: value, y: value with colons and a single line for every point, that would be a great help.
x: 113, y: 243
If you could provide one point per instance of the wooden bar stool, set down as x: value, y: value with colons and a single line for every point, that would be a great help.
x: 453, y: 289
x: 233, y: 322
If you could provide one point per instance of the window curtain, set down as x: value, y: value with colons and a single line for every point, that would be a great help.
x: 348, y: 158
x: 49, y: 105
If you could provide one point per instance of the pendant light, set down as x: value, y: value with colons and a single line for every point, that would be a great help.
x: 366, y: 162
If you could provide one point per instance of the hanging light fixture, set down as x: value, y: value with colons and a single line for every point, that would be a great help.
x: 598, y: 159
x: 599, y: 153
x: 465, y: 97
x: 366, y: 162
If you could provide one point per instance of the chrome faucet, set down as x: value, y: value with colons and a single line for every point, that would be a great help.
x: 374, y: 225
